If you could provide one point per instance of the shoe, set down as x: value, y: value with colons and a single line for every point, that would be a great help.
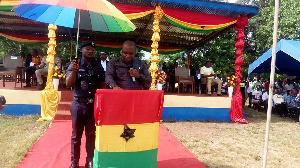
x: 74, y: 165
x: 27, y: 86
x: 89, y: 164
x: 208, y: 94
x: 219, y: 94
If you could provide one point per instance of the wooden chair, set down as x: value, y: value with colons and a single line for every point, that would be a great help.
x: 20, y: 71
x: 33, y: 79
x: 182, y: 75
x: 13, y: 67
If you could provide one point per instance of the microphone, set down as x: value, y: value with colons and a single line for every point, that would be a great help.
x: 133, y: 78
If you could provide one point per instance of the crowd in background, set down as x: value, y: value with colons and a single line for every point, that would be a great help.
x: 286, y: 96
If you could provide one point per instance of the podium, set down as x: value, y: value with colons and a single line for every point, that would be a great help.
x: 127, y: 124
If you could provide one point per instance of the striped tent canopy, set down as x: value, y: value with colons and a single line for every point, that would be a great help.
x: 185, y: 25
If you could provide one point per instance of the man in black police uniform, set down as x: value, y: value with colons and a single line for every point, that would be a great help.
x: 86, y: 76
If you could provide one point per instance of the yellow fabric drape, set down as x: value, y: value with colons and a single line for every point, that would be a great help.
x: 9, y: 2
x: 133, y: 16
x: 21, y: 39
x: 201, y: 27
x: 50, y: 96
x: 155, y: 39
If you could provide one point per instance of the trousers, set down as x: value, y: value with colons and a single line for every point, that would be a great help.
x: 209, y: 81
x: 82, y: 119
x: 39, y: 73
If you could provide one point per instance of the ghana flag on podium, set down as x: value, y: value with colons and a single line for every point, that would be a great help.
x: 127, y: 124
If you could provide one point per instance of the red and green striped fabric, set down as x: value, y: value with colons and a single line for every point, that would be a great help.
x: 138, y: 109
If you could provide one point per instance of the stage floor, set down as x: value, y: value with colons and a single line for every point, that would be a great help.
x: 177, y: 107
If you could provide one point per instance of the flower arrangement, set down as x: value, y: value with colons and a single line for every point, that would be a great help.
x: 160, y: 76
x: 231, y: 80
x: 58, y: 73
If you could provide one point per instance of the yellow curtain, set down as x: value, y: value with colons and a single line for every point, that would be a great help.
x: 155, y: 39
x: 50, y: 96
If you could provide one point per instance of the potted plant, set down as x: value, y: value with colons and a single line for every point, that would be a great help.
x: 56, y: 76
x: 231, y: 80
x: 160, y: 79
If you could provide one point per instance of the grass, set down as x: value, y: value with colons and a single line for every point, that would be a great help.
x: 17, y: 135
x: 217, y: 144
x: 230, y: 145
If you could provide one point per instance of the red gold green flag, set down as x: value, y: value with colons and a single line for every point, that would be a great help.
x: 127, y: 124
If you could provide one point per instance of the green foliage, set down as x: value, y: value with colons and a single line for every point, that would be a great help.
x: 261, y: 25
x: 63, y: 49
x: 220, y: 52
x: 181, y: 58
x: 9, y: 47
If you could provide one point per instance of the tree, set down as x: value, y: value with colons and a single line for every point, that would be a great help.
x: 260, y: 28
x: 219, y: 51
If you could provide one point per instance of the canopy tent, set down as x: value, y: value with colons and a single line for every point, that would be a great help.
x: 100, y: 45
x: 181, y: 24
x: 185, y: 25
x: 287, y: 59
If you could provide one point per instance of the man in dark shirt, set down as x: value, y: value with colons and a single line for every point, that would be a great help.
x: 171, y: 73
x: 85, y: 75
x: 243, y: 90
x: 293, y: 104
x: 127, y: 72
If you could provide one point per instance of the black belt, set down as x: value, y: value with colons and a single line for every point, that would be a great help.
x: 83, y: 100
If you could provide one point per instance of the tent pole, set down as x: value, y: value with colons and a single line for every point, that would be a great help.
x: 78, y: 33
x: 271, y: 87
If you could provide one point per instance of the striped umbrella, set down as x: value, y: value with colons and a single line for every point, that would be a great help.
x: 95, y: 15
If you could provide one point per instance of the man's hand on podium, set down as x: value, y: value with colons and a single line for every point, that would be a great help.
x: 117, y: 87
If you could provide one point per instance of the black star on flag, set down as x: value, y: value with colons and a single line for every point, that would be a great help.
x: 128, y: 133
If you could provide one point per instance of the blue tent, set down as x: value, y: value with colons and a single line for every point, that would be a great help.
x: 287, y: 59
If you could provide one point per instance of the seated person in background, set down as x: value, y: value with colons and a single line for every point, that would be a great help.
x: 197, y: 79
x: 257, y: 82
x: 128, y: 71
x: 35, y: 61
x: 165, y: 69
x: 249, y: 86
x: 265, y: 98
x: 224, y: 86
x: 28, y: 60
x: 279, y: 103
x: 42, y: 69
x: 256, y: 97
x: 267, y: 84
x: 23, y: 56
x: 293, y: 105
x: 243, y: 90
x: 208, y: 73
x: 104, y: 61
x: 288, y: 86
x: 171, y: 74
x: 2, y: 102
